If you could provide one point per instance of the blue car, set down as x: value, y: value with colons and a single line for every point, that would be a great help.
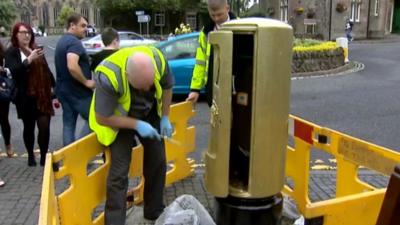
x: 180, y: 52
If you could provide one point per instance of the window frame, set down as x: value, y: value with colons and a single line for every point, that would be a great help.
x: 85, y: 12
x: 56, y: 13
x: 284, y: 10
x: 377, y: 7
x: 355, y: 10
x: 96, y: 16
x: 191, y: 19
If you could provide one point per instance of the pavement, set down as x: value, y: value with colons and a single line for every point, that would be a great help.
x: 20, y: 197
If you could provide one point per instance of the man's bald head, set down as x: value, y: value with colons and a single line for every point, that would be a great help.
x: 140, y: 71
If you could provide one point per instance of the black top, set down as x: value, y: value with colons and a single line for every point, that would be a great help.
x: 100, y: 56
x: 67, y: 85
x: 20, y: 72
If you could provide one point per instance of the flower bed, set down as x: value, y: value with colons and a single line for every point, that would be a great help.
x: 316, y: 56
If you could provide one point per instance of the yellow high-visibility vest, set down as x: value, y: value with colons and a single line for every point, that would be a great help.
x: 200, y: 71
x: 113, y: 67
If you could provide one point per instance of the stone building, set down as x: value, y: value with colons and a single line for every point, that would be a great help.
x: 310, y: 18
x: 326, y: 18
x: 45, y: 12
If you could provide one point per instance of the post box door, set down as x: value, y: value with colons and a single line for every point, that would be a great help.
x: 217, y: 156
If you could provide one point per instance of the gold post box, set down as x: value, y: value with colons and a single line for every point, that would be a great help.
x: 249, y: 113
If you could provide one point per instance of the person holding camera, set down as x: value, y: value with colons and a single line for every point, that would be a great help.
x: 34, y: 82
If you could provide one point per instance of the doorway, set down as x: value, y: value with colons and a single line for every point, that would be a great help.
x: 396, y: 17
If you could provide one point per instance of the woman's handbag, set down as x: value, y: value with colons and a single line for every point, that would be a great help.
x: 8, y: 90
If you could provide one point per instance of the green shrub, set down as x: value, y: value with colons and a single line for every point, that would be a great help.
x: 306, y: 42
x: 65, y: 12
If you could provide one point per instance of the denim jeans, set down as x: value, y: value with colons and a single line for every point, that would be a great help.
x: 348, y: 35
x: 72, y: 107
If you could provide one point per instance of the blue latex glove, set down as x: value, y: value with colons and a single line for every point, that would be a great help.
x: 165, y: 127
x: 146, y: 130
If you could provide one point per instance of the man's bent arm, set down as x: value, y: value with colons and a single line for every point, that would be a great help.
x: 166, y: 101
x: 118, y: 122
x: 76, y: 71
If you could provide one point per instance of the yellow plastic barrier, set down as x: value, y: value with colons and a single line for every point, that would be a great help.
x: 48, y: 203
x: 356, y: 202
x: 77, y: 203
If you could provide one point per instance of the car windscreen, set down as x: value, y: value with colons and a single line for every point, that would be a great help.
x: 181, y: 49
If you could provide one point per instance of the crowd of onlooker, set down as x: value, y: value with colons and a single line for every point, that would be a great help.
x: 131, y: 102
x: 149, y: 93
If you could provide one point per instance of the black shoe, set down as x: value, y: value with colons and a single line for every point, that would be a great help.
x: 31, y: 162
x: 152, y: 216
x: 42, y: 161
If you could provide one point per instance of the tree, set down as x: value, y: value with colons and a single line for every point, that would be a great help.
x: 8, y: 13
x: 65, y: 12
x: 239, y: 6
x: 112, y: 10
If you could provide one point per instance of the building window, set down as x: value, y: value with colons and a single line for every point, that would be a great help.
x: 96, y: 17
x: 377, y: 2
x: 45, y: 15
x: 355, y: 10
x: 191, y: 20
x: 283, y: 5
x: 26, y: 17
x: 85, y: 13
x: 56, y: 12
x: 159, y: 19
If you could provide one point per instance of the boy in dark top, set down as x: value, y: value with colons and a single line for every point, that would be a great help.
x: 110, y: 39
x: 349, y: 29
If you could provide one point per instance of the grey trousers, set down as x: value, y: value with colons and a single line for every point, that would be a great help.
x: 154, y: 169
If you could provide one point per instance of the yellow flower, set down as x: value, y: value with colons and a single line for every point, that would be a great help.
x: 324, y: 46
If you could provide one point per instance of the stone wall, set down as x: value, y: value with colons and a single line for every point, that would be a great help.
x: 317, y: 60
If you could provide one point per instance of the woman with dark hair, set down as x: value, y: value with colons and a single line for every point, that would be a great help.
x: 4, y: 110
x: 34, y: 82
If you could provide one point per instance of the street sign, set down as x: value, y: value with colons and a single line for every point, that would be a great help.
x: 143, y: 18
x: 138, y: 13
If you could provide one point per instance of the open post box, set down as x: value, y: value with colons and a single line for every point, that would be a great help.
x: 245, y: 161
